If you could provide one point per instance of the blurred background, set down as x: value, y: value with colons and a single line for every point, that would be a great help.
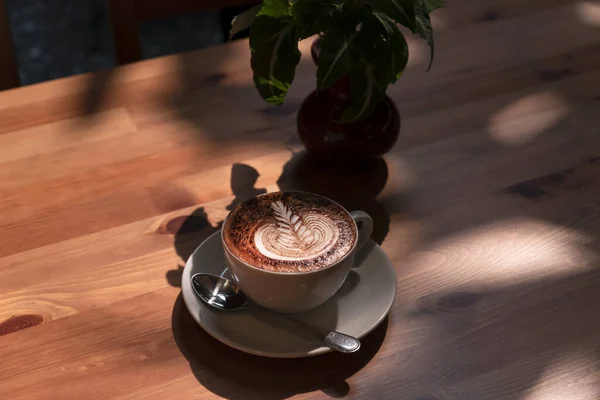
x: 58, y: 38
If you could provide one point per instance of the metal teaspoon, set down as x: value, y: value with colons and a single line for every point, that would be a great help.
x: 223, y: 294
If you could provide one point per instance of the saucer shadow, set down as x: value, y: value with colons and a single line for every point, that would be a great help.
x: 232, y: 374
x: 354, y: 188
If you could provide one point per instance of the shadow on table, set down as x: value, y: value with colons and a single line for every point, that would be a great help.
x: 190, y: 231
x: 243, y: 180
x: 355, y: 188
x: 235, y: 375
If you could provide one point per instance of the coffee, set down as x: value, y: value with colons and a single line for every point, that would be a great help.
x: 289, y: 232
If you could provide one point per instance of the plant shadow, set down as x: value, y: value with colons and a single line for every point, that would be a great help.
x: 191, y: 230
x: 354, y: 188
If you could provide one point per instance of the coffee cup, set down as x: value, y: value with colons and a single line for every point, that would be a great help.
x: 291, y: 251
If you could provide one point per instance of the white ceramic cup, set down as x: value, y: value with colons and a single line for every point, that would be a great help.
x: 293, y: 292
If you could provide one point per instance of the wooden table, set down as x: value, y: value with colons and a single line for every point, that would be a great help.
x: 488, y: 206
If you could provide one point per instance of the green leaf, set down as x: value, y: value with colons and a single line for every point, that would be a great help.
x: 313, y: 16
x: 275, y: 54
x: 393, y: 50
x: 242, y: 21
x: 401, y: 11
x: 365, y: 94
x: 431, y: 5
x: 335, y: 59
x: 424, y: 28
x: 379, y: 58
x: 274, y: 8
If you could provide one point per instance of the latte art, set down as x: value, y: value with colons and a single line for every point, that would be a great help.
x: 289, y: 232
x: 293, y: 237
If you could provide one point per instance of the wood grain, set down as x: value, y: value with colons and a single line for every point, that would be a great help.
x: 488, y: 207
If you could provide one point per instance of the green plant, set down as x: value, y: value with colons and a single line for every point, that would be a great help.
x: 360, y: 38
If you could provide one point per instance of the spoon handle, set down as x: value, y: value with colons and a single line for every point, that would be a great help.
x: 342, y: 342
x: 334, y: 340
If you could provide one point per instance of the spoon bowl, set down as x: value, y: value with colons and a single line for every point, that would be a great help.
x: 218, y: 292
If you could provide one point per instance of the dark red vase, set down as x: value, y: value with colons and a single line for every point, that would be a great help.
x: 357, y: 141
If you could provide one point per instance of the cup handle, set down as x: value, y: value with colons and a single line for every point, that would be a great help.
x: 366, y: 227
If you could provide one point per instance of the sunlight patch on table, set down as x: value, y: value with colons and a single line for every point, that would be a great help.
x: 524, y: 120
x: 497, y: 254
x: 522, y: 248
x: 589, y: 12
x: 572, y: 375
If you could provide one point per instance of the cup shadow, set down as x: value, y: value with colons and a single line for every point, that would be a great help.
x: 232, y: 374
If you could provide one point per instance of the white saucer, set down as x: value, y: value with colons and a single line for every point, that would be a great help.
x: 359, y: 306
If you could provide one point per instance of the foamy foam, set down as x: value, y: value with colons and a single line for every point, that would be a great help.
x: 289, y: 232
x: 295, y: 237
